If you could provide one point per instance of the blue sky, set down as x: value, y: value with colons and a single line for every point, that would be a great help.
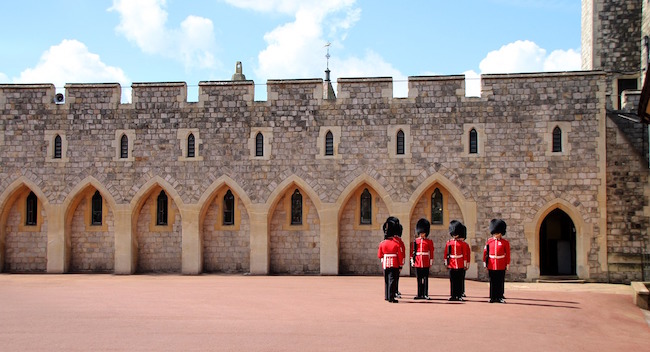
x: 126, y: 41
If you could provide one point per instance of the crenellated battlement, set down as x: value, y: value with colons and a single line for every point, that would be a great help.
x: 292, y: 92
x: 101, y: 95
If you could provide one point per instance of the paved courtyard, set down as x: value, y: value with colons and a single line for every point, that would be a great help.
x: 308, y: 313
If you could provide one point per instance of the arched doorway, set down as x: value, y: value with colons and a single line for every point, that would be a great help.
x: 557, y: 245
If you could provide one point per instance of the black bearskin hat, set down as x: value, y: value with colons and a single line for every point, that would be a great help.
x: 456, y: 228
x: 391, y: 227
x: 423, y: 226
x: 497, y: 226
x: 399, y: 230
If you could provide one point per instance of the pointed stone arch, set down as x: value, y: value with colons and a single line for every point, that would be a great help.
x: 455, y: 203
x: 151, y: 239
x: 349, y: 190
x: 222, y: 181
x: 358, y: 240
x: 224, y: 248
x: 294, y: 248
x: 78, y: 191
x: 89, y: 248
x: 36, y: 250
x: 293, y: 179
x: 140, y: 197
x: 584, y: 234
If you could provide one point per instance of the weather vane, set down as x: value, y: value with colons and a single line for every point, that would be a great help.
x: 328, y: 54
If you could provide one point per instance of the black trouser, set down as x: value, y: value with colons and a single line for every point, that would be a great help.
x: 463, y: 282
x: 456, y: 282
x: 397, y: 280
x: 497, y: 282
x: 390, y: 283
x: 422, y: 275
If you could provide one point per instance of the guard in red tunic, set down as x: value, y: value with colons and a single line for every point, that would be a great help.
x: 402, y: 248
x: 455, y: 259
x: 496, y: 257
x: 391, y: 256
x: 422, y: 257
x: 467, y: 253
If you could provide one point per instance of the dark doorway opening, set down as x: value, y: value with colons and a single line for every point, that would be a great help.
x: 557, y: 245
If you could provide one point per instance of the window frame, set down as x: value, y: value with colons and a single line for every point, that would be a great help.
x: 473, y: 141
x: 31, y: 209
x: 97, y: 209
x: 365, y: 207
x: 228, y: 205
x: 329, y: 143
x: 400, y: 147
x: 162, y: 209
x: 556, y: 140
x: 441, y: 210
x: 296, y: 208
x: 58, y: 147
x: 124, y: 146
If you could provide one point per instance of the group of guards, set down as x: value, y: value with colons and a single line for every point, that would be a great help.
x: 496, y: 258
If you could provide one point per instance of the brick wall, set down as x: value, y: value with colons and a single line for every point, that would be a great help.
x: 295, y: 249
x: 25, y: 251
x: 159, y: 250
x: 226, y: 251
x: 92, y: 248
x: 513, y: 177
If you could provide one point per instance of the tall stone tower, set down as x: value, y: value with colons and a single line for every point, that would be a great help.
x: 612, y: 42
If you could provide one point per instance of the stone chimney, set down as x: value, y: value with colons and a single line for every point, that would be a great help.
x: 238, y: 76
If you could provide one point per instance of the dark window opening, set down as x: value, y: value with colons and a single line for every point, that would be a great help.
x: 229, y: 209
x: 329, y: 143
x: 436, y: 207
x: 259, y: 144
x: 96, y: 213
x: 365, y: 217
x: 296, y: 208
x: 190, y: 146
x: 623, y: 85
x: 557, y: 140
x: 57, y: 147
x: 400, y: 142
x: 161, y: 209
x: 473, y: 141
x: 31, y: 214
x: 124, y: 147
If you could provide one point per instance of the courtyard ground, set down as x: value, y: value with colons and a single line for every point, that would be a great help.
x: 308, y: 313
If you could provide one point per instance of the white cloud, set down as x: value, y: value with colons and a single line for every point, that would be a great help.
x: 370, y: 65
x: 4, y: 78
x: 526, y: 56
x: 144, y: 23
x: 71, y: 62
x: 296, y: 49
x: 563, y: 60
x: 520, y: 56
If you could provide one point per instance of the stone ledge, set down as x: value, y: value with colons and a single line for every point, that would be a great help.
x: 641, y: 294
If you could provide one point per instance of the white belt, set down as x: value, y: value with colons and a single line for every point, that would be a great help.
x: 422, y: 253
x: 456, y: 256
x: 390, y: 255
x: 497, y: 256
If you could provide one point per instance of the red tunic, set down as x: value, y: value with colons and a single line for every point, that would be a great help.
x: 467, y: 253
x: 455, y: 255
x: 390, y: 254
x: 402, y: 248
x: 498, y: 253
x: 422, y: 253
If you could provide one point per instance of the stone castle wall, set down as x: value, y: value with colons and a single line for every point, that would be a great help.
x: 514, y: 176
